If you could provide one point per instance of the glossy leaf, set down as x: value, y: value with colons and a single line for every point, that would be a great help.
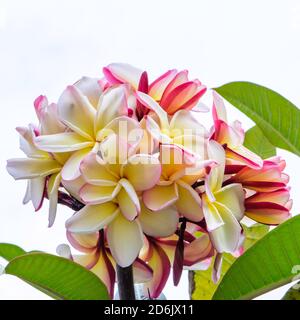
x: 267, y: 265
x: 58, y: 277
x: 258, y: 143
x: 204, y: 287
x: 10, y: 251
x: 278, y: 118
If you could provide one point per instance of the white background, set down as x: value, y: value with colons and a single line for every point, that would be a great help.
x: 45, y: 45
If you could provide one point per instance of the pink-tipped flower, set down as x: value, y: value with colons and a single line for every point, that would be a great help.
x: 232, y: 138
x: 269, y: 207
x: 267, y: 179
x: 173, y: 90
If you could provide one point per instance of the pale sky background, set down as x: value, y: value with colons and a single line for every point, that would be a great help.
x: 46, y: 45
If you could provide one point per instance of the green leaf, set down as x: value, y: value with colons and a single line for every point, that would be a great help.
x: 278, y: 118
x: 258, y: 143
x: 58, y: 277
x: 204, y: 287
x: 267, y: 265
x: 10, y: 251
x: 293, y: 293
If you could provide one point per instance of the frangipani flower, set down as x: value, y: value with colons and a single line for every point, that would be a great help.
x: 223, y: 207
x: 88, y: 127
x: 182, y: 130
x: 269, y: 207
x: 173, y: 90
x: 232, y: 137
x: 149, y: 185
x: 268, y: 178
x: 97, y: 257
x: 42, y: 169
x: 179, y: 171
x: 112, y: 197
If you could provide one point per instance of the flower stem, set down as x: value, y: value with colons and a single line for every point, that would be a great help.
x: 125, y: 283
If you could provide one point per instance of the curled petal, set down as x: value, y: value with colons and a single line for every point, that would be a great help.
x: 217, y: 153
x: 92, y: 218
x: 143, y: 171
x: 125, y: 240
x: 160, y: 264
x: 180, y: 78
x: 105, y: 271
x: 94, y: 194
x: 150, y: 103
x: 244, y: 156
x: 226, y: 238
x: 158, y: 86
x: 198, y: 250
x: 76, y: 112
x: 112, y: 104
x: 96, y: 173
x: 31, y: 168
x: 189, y: 202
x: 63, y: 142
x: 52, y: 190
x: 71, y: 169
x: 83, y: 242
x: 141, y: 271
x: 219, y: 110
x: 122, y: 73
x: 280, y: 196
x: 128, y: 200
x: 267, y: 212
x: 37, y: 192
x: 91, y: 88
x: 162, y: 223
x: 233, y: 197
x: 160, y: 197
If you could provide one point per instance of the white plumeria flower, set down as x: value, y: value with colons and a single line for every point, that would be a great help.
x: 111, y: 195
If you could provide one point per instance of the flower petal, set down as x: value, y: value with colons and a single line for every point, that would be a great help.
x: 143, y: 171
x: 150, y: 103
x: 198, y: 250
x: 91, y: 88
x: 37, y: 192
x: 189, y: 202
x: 160, y: 197
x: 141, y: 271
x: 233, y: 197
x: 162, y: 223
x: 26, y: 168
x: 96, y: 173
x: 158, y: 86
x: 226, y: 238
x: 112, y: 104
x: 212, y: 217
x: 62, y: 142
x: 76, y: 112
x: 128, y: 200
x: 52, y: 190
x: 83, y: 242
x: 125, y: 240
x: 106, y: 272
x: 267, y: 212
x: 94, y: 194
x: 71, y: 169
x: 92, y: 218
x: 217, y: 153
x: 160, y: 264
x: 123, y: 73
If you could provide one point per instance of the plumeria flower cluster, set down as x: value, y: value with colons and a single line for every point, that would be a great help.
x: 149, y: 185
